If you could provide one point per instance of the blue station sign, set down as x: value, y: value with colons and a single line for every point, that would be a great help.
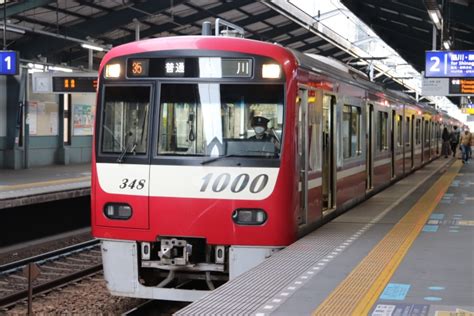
x: 8, y: 62
x: 449, y: 64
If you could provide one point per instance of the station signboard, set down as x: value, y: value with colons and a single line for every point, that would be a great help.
x: 459, y: 64
x: 9, y: 63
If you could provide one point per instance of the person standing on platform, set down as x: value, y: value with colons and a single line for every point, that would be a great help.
x: 454, y: 139
x: 466, y: 146
x: 446, y: 149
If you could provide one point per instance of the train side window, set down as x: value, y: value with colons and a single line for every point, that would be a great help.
x: 399, y: 130
x: 355, y: 131
x: 417, y: 132
x: 408, y: 132
x: 346, y: 131
x: 427, y: 132
x: 314, y: 133
x: 351, y: 131
x: 382, y: 135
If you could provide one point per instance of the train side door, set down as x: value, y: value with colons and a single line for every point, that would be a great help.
x: 328, y: 161
x: 370, y: 147
x: 303, y: 155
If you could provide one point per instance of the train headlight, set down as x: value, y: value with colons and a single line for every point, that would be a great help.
x: 113, y: 70
x: 245, y: 216
x: 271, y: 71
x: 117, y: 211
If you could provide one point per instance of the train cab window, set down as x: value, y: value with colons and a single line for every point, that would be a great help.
x: 125, y: 119
x: 210, y: 119
x: 351, y: 131
x: 418, y: 132
x: 382, y: 135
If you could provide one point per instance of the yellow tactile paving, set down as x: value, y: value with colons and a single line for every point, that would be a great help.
x: 42, y: 183
x: 362, y: 287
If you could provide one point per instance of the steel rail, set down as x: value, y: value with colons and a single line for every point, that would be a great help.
x: 10, y: 267
x: 12, y: 298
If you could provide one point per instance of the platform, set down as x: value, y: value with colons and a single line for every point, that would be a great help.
x: 406, y: 251
x: 37, y: 185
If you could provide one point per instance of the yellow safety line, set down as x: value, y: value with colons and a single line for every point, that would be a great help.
x: 42, y: 183
x: 361, y: 288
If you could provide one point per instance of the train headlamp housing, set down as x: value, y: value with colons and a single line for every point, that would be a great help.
x: 271, y: 71
x: 245, y: 216
x: 120, y: 211
x: 113, y: 71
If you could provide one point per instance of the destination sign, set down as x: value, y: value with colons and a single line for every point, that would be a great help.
x: 458, y: 64
x: 74, y: 84
x: 461, y: 86
x: 237, y: 67
x: 8, y: 63
x: 190, y: 67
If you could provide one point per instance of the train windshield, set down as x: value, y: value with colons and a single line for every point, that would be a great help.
x: 217, y: 120
x: 125, y: 120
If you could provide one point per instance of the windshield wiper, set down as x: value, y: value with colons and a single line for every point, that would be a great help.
x: 125, y: 151
x: 219, y: 158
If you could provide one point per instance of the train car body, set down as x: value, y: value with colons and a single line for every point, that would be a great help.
x: 183, y: 195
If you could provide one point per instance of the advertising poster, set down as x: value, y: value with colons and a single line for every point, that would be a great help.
x: 83, y: 119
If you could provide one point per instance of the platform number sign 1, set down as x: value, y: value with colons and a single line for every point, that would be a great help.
x: 8, y: 62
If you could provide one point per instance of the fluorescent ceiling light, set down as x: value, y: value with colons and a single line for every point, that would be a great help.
x: 12, y: 29
x: 93, y: 47
x: 57, y: 68
x: 435, y: 16
x: 446, y: 45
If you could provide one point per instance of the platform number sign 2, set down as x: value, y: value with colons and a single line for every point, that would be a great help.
x: 8, y: 63
x: 449, y: 64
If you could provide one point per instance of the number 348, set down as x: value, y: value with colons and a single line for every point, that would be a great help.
x: 137, y: 184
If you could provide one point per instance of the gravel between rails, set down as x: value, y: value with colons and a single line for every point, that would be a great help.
x: 88, y: 296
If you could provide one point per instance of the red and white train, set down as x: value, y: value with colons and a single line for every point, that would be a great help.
x: 184, y: 196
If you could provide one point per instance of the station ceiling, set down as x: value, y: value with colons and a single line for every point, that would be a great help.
x: 403, y: 24
x: 406, y: 26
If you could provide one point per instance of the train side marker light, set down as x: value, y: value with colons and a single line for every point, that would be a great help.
x: 271, y: 71
x: 249, y: 216
x: 118, y: 211
x: 113, y: 70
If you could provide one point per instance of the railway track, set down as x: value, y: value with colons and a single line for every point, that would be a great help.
x: 57, y: 268
x: 156, y: 308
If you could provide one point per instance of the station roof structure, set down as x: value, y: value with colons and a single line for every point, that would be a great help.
x: 53, y: 30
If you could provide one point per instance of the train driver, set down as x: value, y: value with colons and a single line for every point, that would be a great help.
x: 259, y: 125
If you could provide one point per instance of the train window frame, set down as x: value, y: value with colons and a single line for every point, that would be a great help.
x: 102, y: 156
x: 171, y: 159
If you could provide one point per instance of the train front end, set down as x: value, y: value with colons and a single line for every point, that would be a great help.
x: 187, y: 192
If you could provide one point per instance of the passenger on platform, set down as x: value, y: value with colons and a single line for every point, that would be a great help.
x: 259, y: 125
x: 466, y: 146
x: 446, y: 149
x: 454, y: 139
